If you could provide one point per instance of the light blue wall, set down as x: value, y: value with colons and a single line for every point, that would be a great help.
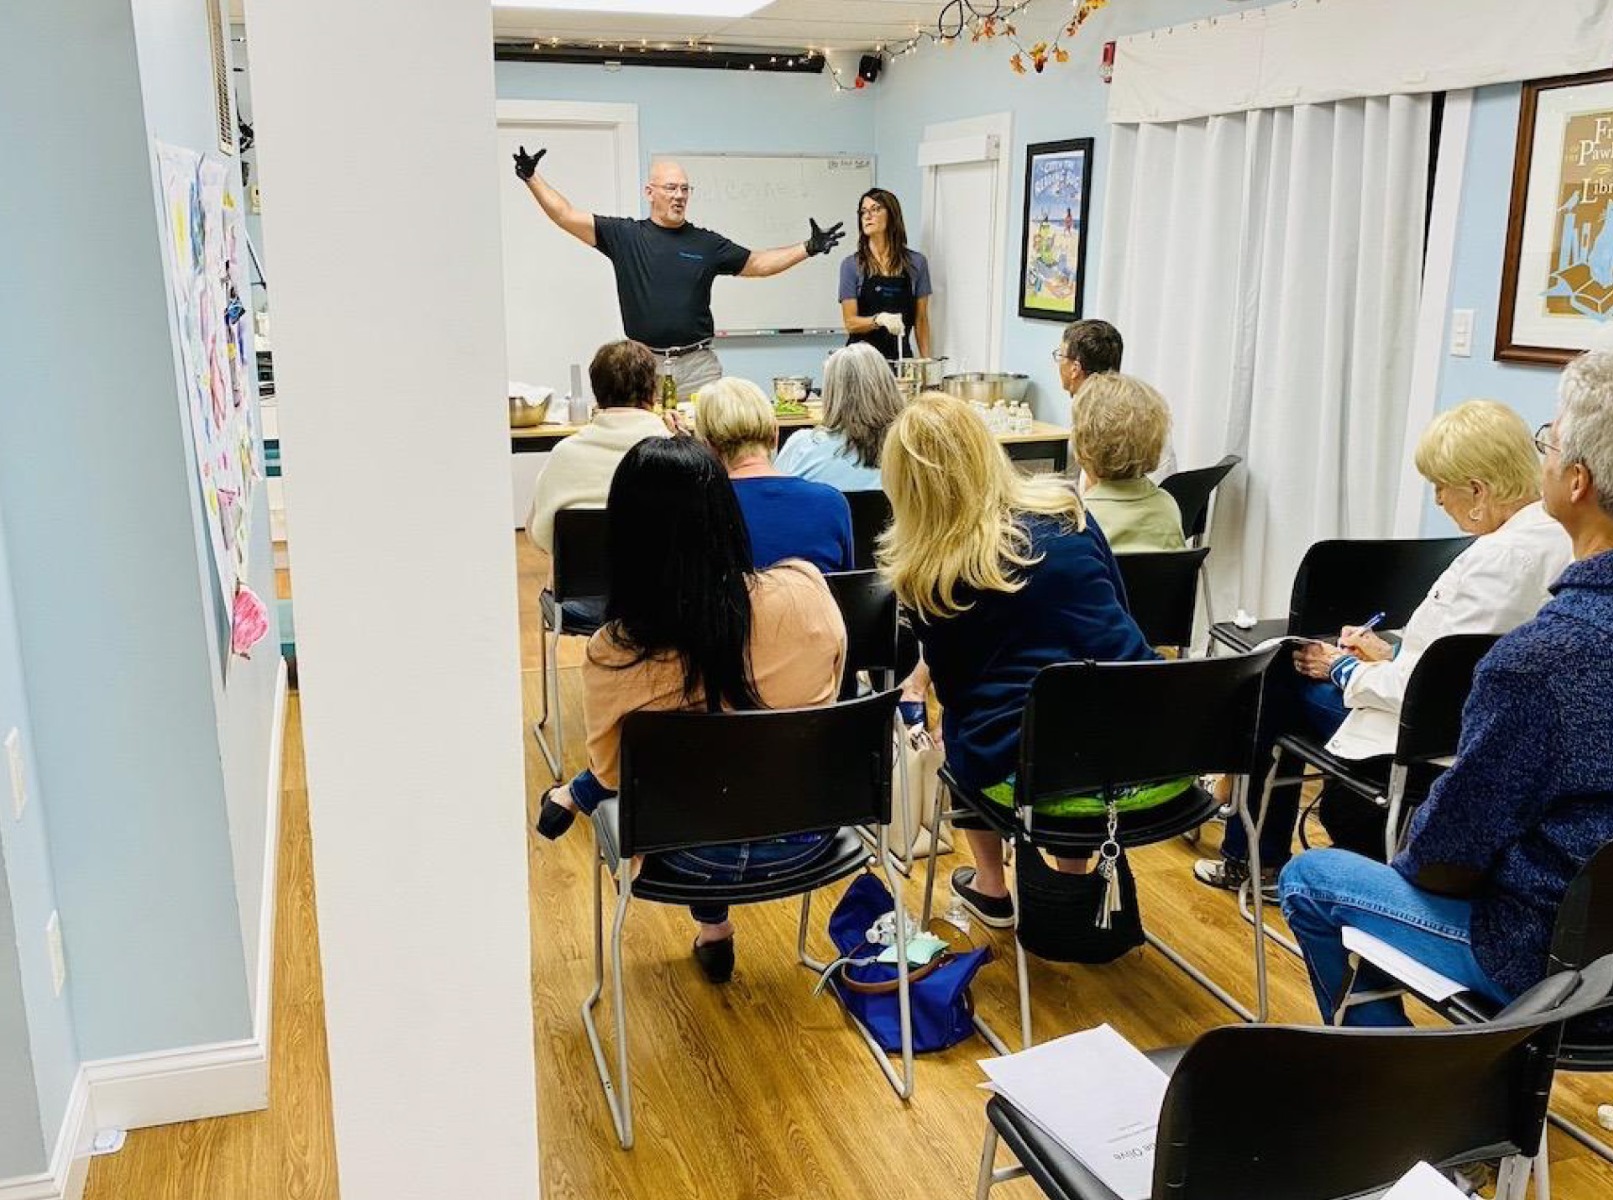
x: 1476, y: 278
x: 690, y: 110
x: 38, y: 1054
x: 1068, y: 100
x: 145, y: 767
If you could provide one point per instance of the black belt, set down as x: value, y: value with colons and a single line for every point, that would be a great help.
x: 680, y: 351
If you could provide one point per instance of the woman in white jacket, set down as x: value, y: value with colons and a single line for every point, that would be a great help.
x: 1482, y: 461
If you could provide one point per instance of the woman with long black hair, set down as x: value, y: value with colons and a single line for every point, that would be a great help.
x: 885, y: 285
x: 691, y: 625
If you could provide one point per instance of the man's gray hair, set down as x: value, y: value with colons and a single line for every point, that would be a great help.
x: 1585, y: 420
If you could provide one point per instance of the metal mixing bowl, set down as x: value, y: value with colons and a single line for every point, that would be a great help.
x: 925, y: 372
x: 987, y: 387
x: 526, y: 413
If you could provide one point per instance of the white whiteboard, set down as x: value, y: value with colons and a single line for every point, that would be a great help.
x: 762, y: 201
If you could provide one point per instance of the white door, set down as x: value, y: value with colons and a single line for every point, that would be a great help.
x: 964, y: 230
x: 560, y: 295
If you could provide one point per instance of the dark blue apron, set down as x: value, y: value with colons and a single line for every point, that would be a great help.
x: 887, y: 293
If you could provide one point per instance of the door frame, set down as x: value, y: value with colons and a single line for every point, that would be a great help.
x: 583, y: 114
x: 987, y: 138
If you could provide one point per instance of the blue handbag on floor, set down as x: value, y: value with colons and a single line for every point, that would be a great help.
x: 942, y: 1008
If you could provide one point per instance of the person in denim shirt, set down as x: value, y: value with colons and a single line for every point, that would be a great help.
x: 1529, y: 799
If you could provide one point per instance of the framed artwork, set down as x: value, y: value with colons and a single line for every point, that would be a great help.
x: 1557, y: 273
x: 1053, y: 242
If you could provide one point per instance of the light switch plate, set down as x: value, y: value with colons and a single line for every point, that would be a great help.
x: 58, y: 959
x: 1462, y: 333
x: 19, y: 780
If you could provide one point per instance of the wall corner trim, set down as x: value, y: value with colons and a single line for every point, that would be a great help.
x: 69, y: 1160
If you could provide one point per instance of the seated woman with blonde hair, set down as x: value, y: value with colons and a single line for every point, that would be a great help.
x: 1482, y: 461
x: 787, y: 517
x: 860, y: 400
x: 1118, y: 429
x: 1006, y: 576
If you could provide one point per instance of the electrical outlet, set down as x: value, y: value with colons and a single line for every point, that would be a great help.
x: 19, y: 781
x: 1462, y: 333
x: 58, y: 959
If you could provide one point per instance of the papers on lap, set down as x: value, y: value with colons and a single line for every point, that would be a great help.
x: 1401, y: 966
x: 1422, y: 1182
x: 1097, y: 1095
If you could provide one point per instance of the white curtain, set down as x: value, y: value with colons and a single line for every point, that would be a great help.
x: 1264, y: 270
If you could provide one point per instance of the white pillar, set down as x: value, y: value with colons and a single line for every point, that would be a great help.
x: 375, y: 132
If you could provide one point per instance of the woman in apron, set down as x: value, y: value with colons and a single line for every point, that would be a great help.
x: 884, y: 286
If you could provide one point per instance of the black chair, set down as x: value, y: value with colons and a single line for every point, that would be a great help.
x: 581, y: 577
x: 868, y: 607
x: 1161, y: 590
x: 870, y: 513
x: 1430, y: 727
x: 1343, y: 583
x: 1192, y: 491
x: 1357, y: 1107
x: 1582, y: 934
x: 704, y: 779
x: 1093, y: 728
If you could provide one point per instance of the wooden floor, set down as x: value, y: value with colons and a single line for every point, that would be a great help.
x: 753, y: 1090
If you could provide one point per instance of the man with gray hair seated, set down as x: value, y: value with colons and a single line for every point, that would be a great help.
x: 1489, y: 856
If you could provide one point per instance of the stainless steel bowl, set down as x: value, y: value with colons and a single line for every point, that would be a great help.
x: 526, y: 413
x: 925, y: 372
x: 792, y: 387
x: 987, y: 387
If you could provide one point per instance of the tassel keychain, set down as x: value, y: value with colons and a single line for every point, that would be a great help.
x: 1109, y: 871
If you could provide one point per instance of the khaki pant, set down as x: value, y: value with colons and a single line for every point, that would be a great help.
x: 692, y: 371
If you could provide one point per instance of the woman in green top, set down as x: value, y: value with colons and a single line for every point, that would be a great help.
x: 1118, y: 429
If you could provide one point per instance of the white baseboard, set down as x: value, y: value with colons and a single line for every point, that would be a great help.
x: 187, y: 1084
x: 70, y: 1158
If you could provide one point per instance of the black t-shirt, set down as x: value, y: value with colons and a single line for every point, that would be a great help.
x: 664, y: 277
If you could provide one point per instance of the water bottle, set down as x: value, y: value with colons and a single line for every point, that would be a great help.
x: 957, y: 915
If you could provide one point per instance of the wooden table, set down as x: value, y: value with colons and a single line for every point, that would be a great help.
x: 1043, y: 443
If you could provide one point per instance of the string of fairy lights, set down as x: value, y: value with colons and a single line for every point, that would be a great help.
x: 958, y: 20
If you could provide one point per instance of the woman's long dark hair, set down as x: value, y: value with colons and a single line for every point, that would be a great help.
x: 895, y: 234
x: 680, y: 562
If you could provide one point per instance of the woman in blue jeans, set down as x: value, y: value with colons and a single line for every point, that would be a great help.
x: 1529, y: 799
x: 691, y: 625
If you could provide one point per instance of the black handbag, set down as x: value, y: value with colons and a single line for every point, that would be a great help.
x: 1061, y: 915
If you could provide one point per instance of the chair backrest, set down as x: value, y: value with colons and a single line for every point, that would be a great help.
x: 1359, y: 1106
x: 1192, y: 491
x: 581, y: 557
x: 1162, y: 590
x: 1431, y: 713
x: 870, y: 513
x: 1091, y: 726
x: 1344, y: 582
x: 1584, y: 934
x: 868, y: 606
x: 707, y: 779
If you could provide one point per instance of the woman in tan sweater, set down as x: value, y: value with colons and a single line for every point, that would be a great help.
x: 690, y: 624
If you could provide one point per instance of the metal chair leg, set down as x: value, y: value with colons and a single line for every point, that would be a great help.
x: 1398, y: 775
x: 1595, y: 1145
x: 1252, y: 826
x: 1542, y: 1170
x: 547, y: 675
x: 1021, y: 969
x: 935, y: 854
x: 618, y: 1094
x: 988, y: 1160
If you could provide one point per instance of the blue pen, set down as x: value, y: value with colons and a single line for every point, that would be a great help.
x: 1371, y: 622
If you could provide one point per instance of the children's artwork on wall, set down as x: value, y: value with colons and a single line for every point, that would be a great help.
x: 206, y: 284
x: 1557, y: 277
x: 1052, y: 263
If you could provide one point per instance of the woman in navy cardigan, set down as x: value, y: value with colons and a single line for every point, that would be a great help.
x: 1007, y: 574
x: 1529, y: 799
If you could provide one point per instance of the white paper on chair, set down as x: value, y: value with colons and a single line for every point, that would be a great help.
x: 1422, y: 1182
x: 1097, y: 1095
x: 1424, y: 981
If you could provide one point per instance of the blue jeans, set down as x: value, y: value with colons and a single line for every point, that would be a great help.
x: 587, y: 792
x: 1322, y: 706
x: 744, y: 862
x: 1324, y: 890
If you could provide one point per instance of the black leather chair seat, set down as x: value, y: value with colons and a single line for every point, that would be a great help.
x: 1158, y: 824
x: 848, y: 855
x: 1058, y: 1172
x: 582, y: 616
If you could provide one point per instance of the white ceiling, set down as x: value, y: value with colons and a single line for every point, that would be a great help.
x: 794, y: 24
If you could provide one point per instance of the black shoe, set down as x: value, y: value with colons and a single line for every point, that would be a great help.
x: 554, y: 819
x: 1230, y: 874
x: 716, y: 959
x: 997, y: 912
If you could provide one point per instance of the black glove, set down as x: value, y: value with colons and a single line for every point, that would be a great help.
x: 526, y: 165
x: 823, y: 240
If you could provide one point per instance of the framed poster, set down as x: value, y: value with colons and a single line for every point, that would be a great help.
x: 1557, y: 273
x: 1053, y: 238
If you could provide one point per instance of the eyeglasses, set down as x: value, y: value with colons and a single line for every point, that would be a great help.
x: 1059, y: 356
x: 869, y: 210
x: 674, y: 189
x: 1541, y: 442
